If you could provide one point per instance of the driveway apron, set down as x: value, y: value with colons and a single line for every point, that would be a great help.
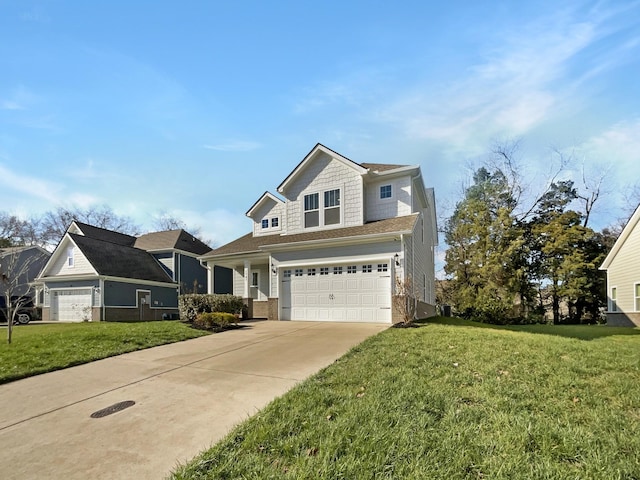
x: 187, y: 396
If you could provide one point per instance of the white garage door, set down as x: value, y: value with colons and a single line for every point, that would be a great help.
x: 350, y: 293
x: 71, y: 305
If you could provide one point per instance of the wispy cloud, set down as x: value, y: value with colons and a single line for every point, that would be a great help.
x: 521, y: 82
x: 19, y: 98
x: 234, y: 146
x: 29, y: 185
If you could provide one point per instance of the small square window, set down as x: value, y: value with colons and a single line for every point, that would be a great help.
x: 324, y: 270
x: 298, y: 272
x: 385, y: 191
x: 286, y: 273
x: 383, y: 267
x: 311, y: 272
x: 367, y: 268
x: 337, y: 270
x: 351, y: 269
x: 274, y: 222
x: 265, y: 223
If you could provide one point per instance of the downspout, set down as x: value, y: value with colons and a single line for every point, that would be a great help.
x: 102, y: 292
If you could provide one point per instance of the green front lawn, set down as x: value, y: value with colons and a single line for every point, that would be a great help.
x: 452, y: 400
x: 44, y: 348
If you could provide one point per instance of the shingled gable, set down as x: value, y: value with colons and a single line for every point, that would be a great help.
x: 115, y: 260
x: 171, y: 240
x: 249, y: 243
x: 319, y: 148
x: 265, y: 197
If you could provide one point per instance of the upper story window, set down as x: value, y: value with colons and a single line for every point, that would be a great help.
x: 70, y: 256
x: 385, y: 191
x: 327, y: 213
x: 613, y: 305
x: 311, y: 210
x: 274, y: 222
x: 332, y: 207
x: 265, y: 223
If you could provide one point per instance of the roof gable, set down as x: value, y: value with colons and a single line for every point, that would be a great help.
x: 309, y: 158
x: 266, y: 197
x: 626, y: 233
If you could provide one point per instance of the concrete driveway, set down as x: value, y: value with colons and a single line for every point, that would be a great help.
x: 187, y: 396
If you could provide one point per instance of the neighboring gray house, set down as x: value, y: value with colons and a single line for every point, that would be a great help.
x: 333, y: 245
x: 623, y: 276
x: 26, y: 263
x: 97, y: 274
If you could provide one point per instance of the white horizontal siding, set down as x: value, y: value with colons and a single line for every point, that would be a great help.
x: 624, y: 272
x: 400, y: 203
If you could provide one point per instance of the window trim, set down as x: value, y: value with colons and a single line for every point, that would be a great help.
x: 390, y: 187
x: 613, y: 300
x: 322, y: 207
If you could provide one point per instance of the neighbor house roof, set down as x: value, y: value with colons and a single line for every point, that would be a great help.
x: 171, y: 240
x: 114, y: 260
x: 249, y: 243
x: 105, y: 235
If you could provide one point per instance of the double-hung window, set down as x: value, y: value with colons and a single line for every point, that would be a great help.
x: 265, y: 223
x: 613, y: 300
x: 318, y: 214
x: 332, y: 207
x: 636, y: 295
x: 311, y: 210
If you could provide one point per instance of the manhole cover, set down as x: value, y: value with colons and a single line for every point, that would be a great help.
x: 116, y: 407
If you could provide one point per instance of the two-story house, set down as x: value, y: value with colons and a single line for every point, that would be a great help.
x: 623, y: 276
x: 334, y: 242
x: 97, y: 274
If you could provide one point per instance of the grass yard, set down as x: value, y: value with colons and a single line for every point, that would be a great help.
x: 44, y: 348
x: 452, y: 400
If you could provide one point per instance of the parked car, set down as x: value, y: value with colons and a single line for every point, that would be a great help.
x: 24, y: 314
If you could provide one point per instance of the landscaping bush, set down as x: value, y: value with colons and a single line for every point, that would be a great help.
x: 214, y: 320
x: 191, y: 305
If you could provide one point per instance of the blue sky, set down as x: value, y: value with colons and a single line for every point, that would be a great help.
x: 195, y: 108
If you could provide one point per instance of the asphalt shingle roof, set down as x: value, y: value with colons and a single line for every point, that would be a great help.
x: 250, y: 243
x: 172, y: 239
x: 115, y: 260
x: 105, y: 235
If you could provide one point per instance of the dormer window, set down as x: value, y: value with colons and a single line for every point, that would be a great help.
x: 385, y: 191
x: 265, y: 223
x: 274, y: 222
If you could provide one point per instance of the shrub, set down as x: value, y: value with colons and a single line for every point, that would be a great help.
x: 193, y: 304
x: 214, y: 320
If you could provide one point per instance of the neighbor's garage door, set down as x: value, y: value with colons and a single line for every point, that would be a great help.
x: 350, y: 293
x: 71, y: 305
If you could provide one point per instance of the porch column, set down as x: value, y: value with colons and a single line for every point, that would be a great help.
x: 210, y: 278
x: 246, y: 296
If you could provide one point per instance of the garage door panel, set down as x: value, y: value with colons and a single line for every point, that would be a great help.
x: 356, y: 295
x: 71, y: 305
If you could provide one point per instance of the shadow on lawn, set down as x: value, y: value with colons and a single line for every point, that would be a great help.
x: 581, y: 332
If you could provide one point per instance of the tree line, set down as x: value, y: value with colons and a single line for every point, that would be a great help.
x: 47, y: 229
x: 509, y: 262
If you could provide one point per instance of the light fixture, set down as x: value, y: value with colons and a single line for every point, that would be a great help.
x: 274, y: 270
x: 397, y: 259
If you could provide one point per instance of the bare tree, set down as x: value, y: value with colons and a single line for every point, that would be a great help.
x: 54, y: 224
x: 404, y: 299
x: 165, y: 221
x: 16, y: 265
